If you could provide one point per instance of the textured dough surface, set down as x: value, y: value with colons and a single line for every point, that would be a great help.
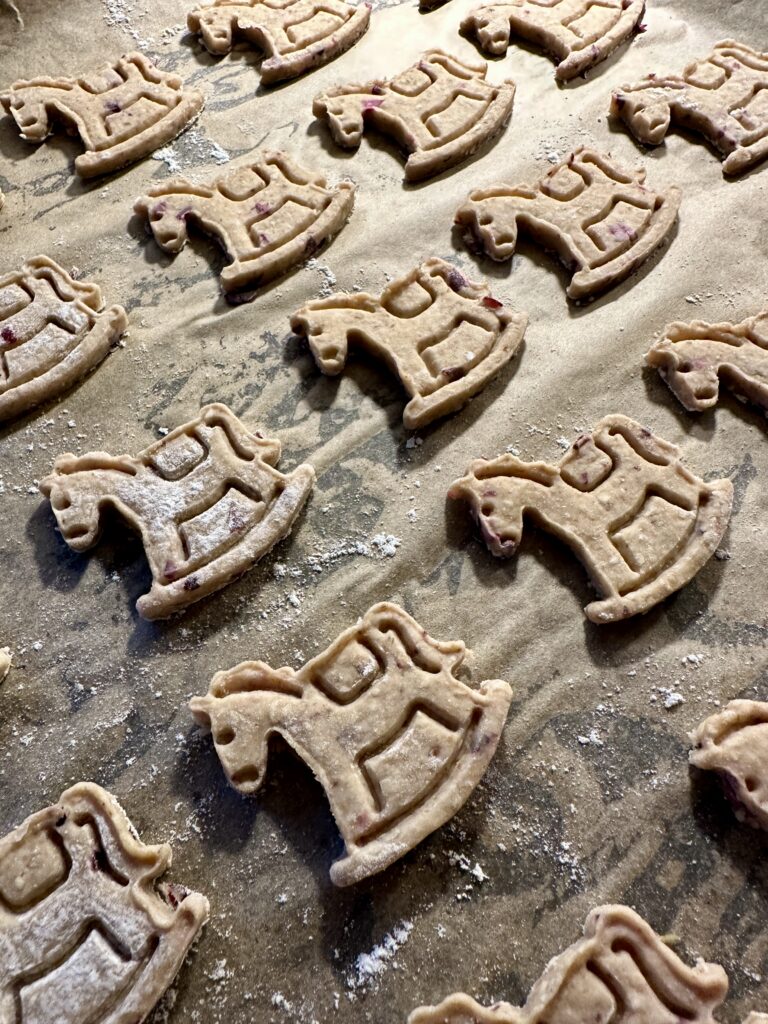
x: 620, y: 972
x: 734, y: 743
x: 122, y: 111
x: 694, y: 358
x: 723, y: 97
x: 601, y: 220
x: 439, y: 111
x: 84, y: 931
x: 641, y: 523
x: 395, y: 738
x: 268, y: 216
x: 206, y: 500
x: 577, y: 34
x: 444, y: 336
x: 295, y: 35
x: 53, y: 331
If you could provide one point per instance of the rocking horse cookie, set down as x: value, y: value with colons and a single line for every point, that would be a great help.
x: 397, y: 741
x: 122, y: 111
x: 439, y: 111
x: 295, y: 35
x: 724, y: 97
x: 641, y: 523
x: 444, y: 336
x: 577, y: 34
x: 600, y: 220
x: 694, y: 358
x: 620, y: 972
x: 734, y: 743
x: 53, y: 331
x: 84, y: 932
x: 206, y: 500
x: 268, y: 216
x: 6, y: 661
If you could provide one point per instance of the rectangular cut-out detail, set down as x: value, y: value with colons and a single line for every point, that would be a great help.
x: 219, y: 528
x: 122, y: 112
x: 206, y: 500
x: 268, y: 216
x: 295, y: 35
x: 173, y: 461
x: 87, y: 937
x: 565, y: 211
x: 53, y: 331
x: 454, y: 356
x: 723, y: 96
x: 381, y: 718
x: 425, y: 742
x: 444, y: 335
x: 620, y: 972
x: 439, y: 111
x: 641, y: 523
x: 657, y: 518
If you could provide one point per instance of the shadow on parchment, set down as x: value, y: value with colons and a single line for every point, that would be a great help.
x: 701, y: 424
x: 378, y: 382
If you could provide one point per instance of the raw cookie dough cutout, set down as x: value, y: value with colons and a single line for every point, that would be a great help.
x: 577, y: 34
x: 53, y: 331
x: 6, y: 661
x: 121, y: 111
x: 724, y: 97
x: 85, y: 934
x: 694, y: 358
x: 397, y: 741
x: 641, y: 523
x: 734, y: 743
x: 600, y: 220
x: 295, y: 35
x: 620, y: 972
x: 206, y: 500
x: 444, y: 336
x: 439, y: 111
x: 268, y: 216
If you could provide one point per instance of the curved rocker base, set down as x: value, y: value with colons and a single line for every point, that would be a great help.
x: 709, y: 528
x: 478, y: 747
x: 165, y: 599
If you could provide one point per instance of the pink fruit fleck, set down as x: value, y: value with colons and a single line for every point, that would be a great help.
x: 372, y: 104
x: 8, y: 335
x: 491, y: 303
x: 191, y: 583
x: 262, y: 208
x: 623, y: 232
x: 112, y: 106
x: 456, y: 280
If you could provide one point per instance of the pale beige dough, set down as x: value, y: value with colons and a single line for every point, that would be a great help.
x: 53, y: 331
x: 206, y: 500
x: 600, y: 219
x: 620, y: 972
x: 397, y: 741
x: 85, y: 934
x: 577, y: 34
x: 444, y: 336
x: 6, y: 660
x: 268, y: 216
x: 640, y: 522
x: 439, y: 111
x: 295, y: 35
x: 693, y: 358
x: 723, y: 96
x: 122, y: 111
x: 734, y: 743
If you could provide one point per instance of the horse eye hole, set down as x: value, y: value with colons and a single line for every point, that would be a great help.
x: 224, y: 736
x: 60, y: 501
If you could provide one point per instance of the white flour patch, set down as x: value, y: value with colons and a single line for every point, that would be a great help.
x: 370, y: 966
x: 327, y: 276
x: 167, y: 156
x: 120, y: 12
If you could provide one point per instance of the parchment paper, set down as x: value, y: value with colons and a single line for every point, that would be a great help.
x: 589, y: 798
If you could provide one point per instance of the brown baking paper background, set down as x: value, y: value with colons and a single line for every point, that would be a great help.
x: 589, y: 797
